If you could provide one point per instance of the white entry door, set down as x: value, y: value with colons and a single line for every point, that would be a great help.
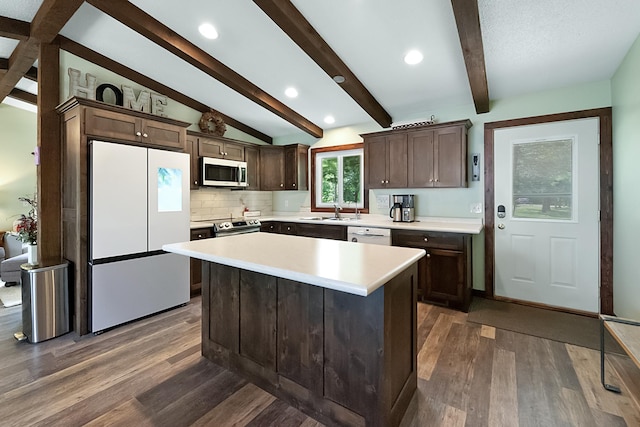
x: 547, y: 213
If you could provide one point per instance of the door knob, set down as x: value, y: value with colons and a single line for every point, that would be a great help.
x: 501, y: 226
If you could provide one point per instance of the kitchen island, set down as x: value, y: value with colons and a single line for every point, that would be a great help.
x: 328, y: 326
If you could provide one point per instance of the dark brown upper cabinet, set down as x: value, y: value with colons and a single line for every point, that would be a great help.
x: 419, y: 157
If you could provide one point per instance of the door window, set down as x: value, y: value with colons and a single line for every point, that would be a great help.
x: 543, y: 180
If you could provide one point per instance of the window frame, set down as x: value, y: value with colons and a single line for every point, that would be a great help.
x: 314, y: 159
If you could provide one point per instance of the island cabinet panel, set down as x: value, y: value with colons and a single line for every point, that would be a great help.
x: 300, y: 333
x: 223, y: 307
x: 341, y: 358
x: 258, y: 318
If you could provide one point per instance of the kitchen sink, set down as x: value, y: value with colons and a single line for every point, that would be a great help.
x: 326, y: 218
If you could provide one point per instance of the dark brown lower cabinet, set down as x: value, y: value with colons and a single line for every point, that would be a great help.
x: 341, y: 358
x: 195, y: 265
x: 320, y: 231
x: 444, y: 275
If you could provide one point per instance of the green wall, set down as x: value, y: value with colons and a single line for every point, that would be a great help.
x: 173, y: 109
x: 456, y: 202
x: 18, y: 139
x: 625, y: 87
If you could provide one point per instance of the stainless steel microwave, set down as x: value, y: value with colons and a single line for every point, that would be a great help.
x: 222, y: 173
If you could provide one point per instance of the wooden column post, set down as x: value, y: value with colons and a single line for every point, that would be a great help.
x: 49, y: 169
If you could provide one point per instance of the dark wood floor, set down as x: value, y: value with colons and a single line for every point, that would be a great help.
x: 150, y: 373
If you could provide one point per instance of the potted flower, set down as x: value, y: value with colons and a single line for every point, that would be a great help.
x: 27, y: 229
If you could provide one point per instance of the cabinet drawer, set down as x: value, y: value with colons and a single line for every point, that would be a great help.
x: 270, y: 227
x: 427, y: 239
x: 201, y: 233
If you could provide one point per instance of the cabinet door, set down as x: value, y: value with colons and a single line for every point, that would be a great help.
x: 397, y: 163
x: 445, y: 275
x: 233, y: 151
x: 450, y: 157
x: 195, y: 266
x: 192, y: 149
x: 163, y: 135
x: 272, y: 168
x: 376, y: 161
x: 295, y: 167
x: 420, y: 159
x: 252, y: 157
x: 210, y: 148
x: 322, y: 231
x: 111, y: 125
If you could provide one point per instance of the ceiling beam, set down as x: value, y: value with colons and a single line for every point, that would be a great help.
x: 46, y: 24
x: 163, y: 36
x: 296, y: 26
x: 117, y: 68
x: 24, y: 96
x: 14, y: 28
x: 468, y: 23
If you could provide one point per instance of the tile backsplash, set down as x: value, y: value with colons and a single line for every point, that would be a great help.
x: 221, y: 203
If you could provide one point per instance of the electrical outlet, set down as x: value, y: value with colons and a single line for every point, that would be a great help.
x: 475, y: 208
x: 382, y: 202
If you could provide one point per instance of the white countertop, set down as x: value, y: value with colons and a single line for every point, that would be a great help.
x: 354, y: 268
x: 448, y: 225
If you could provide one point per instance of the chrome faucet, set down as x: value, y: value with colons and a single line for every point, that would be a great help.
x: 357, y: 212
x: 337, y: 210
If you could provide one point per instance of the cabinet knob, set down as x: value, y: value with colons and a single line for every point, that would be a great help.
x: 426, y: 239
x: 431, y: 180
x: 226, y: 154
x: 281, y: 185
x: 386, y: 182
x: 199, y: 236
x: 428, y: 255
x: 195, y: 182
x: 294, y: 184
x: 382, y: 182
x: 145, y: 135
x: 138, y: 133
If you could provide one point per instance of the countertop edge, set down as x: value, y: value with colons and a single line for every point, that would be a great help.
x: 298, y: 276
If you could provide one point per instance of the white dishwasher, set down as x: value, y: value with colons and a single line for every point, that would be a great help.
x: 373, y: 236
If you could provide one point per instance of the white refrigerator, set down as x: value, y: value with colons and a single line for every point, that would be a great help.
x: 138, y: 201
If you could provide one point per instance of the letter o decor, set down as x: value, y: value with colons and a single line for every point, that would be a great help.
x: 117, y: 92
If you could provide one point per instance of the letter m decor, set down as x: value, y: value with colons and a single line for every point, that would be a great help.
x: 139, y: 104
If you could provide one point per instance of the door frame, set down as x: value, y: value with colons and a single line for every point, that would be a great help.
x: 606, y: 197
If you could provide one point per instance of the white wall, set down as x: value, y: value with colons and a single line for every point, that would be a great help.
x: 626, y: 177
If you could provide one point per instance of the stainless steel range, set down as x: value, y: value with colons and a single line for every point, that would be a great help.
x: 230, y: 228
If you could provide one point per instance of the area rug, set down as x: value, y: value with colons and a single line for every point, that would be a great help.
x: 553, y: 325
x: 10, y: 296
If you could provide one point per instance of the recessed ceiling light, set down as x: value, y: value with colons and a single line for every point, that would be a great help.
x: 413, y: 57
x: 338, y: 79
x: 208, y: 31
x: 291, y: 92
x: 329, y: 120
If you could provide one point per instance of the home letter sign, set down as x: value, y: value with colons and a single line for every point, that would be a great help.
x: 86, y: 90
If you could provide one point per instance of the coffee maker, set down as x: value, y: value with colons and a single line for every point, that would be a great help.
x: 403, y: 209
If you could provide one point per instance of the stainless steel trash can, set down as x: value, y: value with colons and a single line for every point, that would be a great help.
x: 45, y: 301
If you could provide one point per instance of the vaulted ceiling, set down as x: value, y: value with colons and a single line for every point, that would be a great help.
x: 475, y: 51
